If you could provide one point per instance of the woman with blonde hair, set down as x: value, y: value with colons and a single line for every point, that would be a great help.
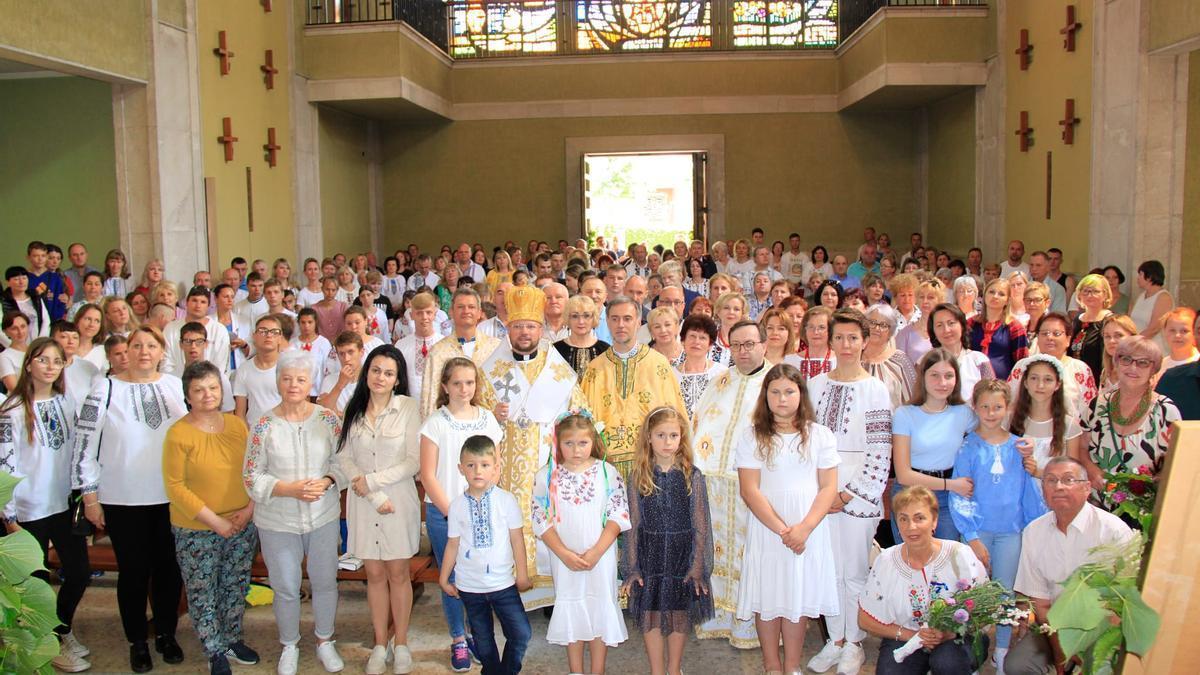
x: 118, y: 316
x: 281, y: 271
x: 995, y: 333
x: 166, y: 293
x: 1113, y: 329
x: 730, y: 309
x: 502, y: 270
x: 1094, y: 295
x: 153, y: 273
x: 663, y: 325
x: 1017, y: 283
x: 1177, y: 333
x: 581, y: 344
x: 913, y: 339
x: 903, y: 288
x: 1037, y: 303
x: 719, y: 284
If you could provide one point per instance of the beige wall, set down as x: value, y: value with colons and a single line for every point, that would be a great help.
x: 1053, y: 76
x: 1172, y: 21
x: 107, y: 37
x: 951, y: 188
x: 824, y: 175
x: 345, y: 209
x: 1189, y: 289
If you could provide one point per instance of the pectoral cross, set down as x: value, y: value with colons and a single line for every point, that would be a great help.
x: 269, y: 68
x: 1068, y: 123
x: 1024, y: 49
x: 224, y: 52
x: 1070, y: 29
x: 271, y: 147
x: 227, y: 138
x: 1024, y: 132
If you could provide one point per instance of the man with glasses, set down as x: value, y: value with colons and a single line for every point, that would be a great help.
x: 254, y: 388
x: 193, y: 341
x: 719, y: 420
x: 216, y: 347
x: 1052, y: 548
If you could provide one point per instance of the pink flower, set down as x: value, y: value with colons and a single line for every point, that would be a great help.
x: 951, y: 601
x: 961, y: 616
x: 1119, y: 497
x: 969, y: 604
x: 1144, y: 470
x: 962, y: 584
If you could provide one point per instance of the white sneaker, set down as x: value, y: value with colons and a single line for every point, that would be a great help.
x: 68, y: 661
x: 403, y: 662
x: 851, y: 660
x: 826, y: 658
x: 73, y: 645
x: 327, y: 654
x: 998, y: 659
x: 377, y: 663
x: 289, y: 660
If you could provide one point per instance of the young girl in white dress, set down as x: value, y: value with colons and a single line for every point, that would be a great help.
x: 787, y: 470
x: 579, y: 509
x: 1040, y: 416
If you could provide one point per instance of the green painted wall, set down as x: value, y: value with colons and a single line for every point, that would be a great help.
x: 345, y: 208
x: 824, y: 175
x: 952, y: 172
x: 57, y: 177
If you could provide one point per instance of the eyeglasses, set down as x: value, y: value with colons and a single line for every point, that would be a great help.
x: 193, y: 343
x: 1127, y: 360
x: 269, y: 332
x: 1052, y: 333
x: 1034, y: 300
x: 1090, y: 291
x: 577, y: 316
x: 46, y: 361
x: 743, y: 346
x: 1065, y: 481
x: 880, y: 325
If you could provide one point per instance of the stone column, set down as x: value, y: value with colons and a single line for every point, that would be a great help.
x: 1139, y: 111
x: 990, y: 137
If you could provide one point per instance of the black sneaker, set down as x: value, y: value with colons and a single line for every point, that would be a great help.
x: 139, y: 657
x: 238, y: 651
x: 167, y: 646
x: 219, y: 665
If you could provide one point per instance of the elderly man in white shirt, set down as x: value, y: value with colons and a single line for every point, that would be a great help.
x: 1052, y: 548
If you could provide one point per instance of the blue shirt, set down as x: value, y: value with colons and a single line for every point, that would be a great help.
x: 1005, y: 498
x: 859, y: 270
x: 848, y: 282
x: 935, y: 437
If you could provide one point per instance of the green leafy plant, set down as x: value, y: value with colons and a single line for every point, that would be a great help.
x: 1100, y: 614
x: 27, y: 604
x: 1134, y: 495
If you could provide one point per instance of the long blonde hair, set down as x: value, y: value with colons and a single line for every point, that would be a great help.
x: 642, y: 475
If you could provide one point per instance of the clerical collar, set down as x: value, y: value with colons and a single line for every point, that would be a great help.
x: 525, y: 357
x: 627, y: 355
x: 756, y: 370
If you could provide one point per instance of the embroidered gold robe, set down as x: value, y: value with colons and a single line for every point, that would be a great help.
x: 441, y: 352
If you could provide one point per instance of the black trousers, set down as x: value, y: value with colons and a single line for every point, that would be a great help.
x: 72, y: 552
x: 145, y: 550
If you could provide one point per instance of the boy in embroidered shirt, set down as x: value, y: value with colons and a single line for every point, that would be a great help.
x: 486, y: 552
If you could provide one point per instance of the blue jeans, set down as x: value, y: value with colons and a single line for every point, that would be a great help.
x: 435, y: 525
x: 1005, y: 550
x: 945, y: 527
x: 511, y: 611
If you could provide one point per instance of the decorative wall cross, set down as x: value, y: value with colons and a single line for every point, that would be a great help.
x: 266, y: 5
x: 1068, y: 123
x: 223, y: 52
x: 268, y: 68
x: 1070, y: 29
x: 271, y: 147
x: 1024, y: 49
x: 1024, y: 132
x: 227, y: 139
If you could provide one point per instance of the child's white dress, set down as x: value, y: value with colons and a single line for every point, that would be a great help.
x: 775, y: 581
x: 577, y: 506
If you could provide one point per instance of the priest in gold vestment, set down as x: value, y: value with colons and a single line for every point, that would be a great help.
x: 527, y: 384
x: 464, y: 340
x: 625, y: 383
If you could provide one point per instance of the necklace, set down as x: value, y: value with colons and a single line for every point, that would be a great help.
x: 908, y: 561
x: 1114, y: 409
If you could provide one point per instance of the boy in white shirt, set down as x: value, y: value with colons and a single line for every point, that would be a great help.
x: 485, y: 550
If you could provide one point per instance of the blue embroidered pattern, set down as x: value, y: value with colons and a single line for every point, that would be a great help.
x: 481, y: 519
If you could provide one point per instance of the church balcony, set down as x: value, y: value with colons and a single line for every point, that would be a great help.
x: 426, y: 17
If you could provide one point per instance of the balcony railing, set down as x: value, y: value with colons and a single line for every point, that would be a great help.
x: 854, y: 13
x: 427, y: 17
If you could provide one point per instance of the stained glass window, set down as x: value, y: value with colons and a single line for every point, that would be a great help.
x: 500, y: 28
x: 624, y: 25
x: 785, y: 23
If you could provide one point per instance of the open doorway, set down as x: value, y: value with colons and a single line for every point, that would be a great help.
x: 655, y: 198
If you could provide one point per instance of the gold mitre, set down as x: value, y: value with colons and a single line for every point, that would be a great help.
x: 525, y: 303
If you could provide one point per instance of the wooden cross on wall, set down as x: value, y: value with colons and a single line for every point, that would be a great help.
x: 1070, y: 29
x: 227, y: 139
x: 1068, y: 123
x: 1024, y: 49
x: 1024, y: 132
x: 266, y: 5
x: 271, y: 147
x: 269, y: 69
x: 223, y: 52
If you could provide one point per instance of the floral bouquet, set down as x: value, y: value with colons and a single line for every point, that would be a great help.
x: 968, y: 613
x: 1133, y: 495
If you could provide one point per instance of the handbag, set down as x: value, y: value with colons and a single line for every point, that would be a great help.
x: 80, y: 525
